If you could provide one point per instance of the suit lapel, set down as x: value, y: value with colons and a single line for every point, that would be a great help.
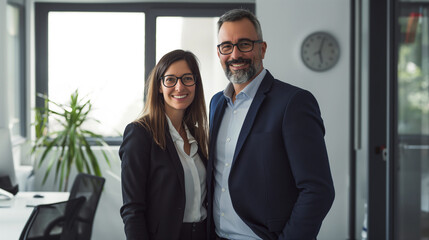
x: 253, y: 110
x: 219, y: 105
x: 174, y: 157
x: 215, y: 121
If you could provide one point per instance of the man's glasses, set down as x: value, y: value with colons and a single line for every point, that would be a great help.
x: 170, y: 81
x: 244, y: 45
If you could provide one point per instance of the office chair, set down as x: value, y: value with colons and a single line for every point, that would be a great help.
x: 53, y: 221
x: 90, y: 187
x: 6, y: 184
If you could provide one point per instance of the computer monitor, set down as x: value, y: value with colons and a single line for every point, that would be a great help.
x: 7, y: 168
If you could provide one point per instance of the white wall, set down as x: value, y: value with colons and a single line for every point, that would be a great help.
x: 3, y: 97
x: 285, y: 24
x: 5, y: 151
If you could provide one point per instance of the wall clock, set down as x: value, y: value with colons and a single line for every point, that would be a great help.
x: 320, y: 51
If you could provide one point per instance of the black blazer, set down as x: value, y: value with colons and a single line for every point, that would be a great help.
x: 153, y: 187
x: 280, y: 181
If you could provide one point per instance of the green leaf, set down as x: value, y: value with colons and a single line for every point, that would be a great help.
x: 69, y: 142
x: 92, y: 158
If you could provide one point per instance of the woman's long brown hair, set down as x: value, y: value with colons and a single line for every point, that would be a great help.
x: 153, y: 117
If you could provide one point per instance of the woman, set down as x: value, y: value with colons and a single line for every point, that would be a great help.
x: 164, y: 154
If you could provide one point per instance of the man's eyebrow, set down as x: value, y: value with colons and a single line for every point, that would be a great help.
x: 225, y: 42
x: 241, y: 39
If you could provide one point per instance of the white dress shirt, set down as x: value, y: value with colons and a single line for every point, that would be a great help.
x: 195, y: 176
x: 228, y: 224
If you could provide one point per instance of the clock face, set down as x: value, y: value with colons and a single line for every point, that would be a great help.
x: 320, y: 51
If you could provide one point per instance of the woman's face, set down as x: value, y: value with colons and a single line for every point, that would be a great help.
x: 179, y: 97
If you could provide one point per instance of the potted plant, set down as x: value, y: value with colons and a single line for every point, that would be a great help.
x: 68, y: 145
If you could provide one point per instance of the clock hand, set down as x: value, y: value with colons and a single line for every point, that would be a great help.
x: 321, y: 44
x: 320, y: 55
x: 320, y: 50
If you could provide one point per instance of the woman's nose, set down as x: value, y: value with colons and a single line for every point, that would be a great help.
x: 179, y: 85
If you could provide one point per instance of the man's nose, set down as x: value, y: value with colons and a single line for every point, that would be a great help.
x: 236, y: 53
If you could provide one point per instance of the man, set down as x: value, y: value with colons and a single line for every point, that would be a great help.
x: 268, y: 168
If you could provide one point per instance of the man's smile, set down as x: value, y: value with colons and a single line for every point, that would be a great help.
x: 238, y: 64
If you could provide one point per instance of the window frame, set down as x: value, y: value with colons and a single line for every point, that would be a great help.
x: 20, y: 5
x: 151, y: 10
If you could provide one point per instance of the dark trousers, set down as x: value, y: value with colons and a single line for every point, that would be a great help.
x: 193, y: 231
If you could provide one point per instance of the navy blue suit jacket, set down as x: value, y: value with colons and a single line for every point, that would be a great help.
x: 280, y: 181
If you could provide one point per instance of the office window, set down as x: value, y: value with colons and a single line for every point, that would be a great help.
x: 102, y: 55
x: 108, y: 50
x: 411, y: 166
x: 15, y: 69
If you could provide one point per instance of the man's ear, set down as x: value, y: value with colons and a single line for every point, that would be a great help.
x: 263, y: 49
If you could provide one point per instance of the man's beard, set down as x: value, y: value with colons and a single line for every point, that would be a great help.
x: 242, y: 75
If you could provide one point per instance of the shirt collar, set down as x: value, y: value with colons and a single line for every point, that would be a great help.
x: 250, y: 90
x: 175, y: 134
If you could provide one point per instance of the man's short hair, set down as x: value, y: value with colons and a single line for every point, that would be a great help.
x: 238, y: 14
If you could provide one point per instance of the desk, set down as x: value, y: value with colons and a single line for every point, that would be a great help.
x: 15, y: 213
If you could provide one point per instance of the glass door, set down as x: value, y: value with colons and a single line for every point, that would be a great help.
x: 411, y: 171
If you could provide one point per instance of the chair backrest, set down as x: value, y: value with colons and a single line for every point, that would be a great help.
x: 53, y: 221
x: 90, y: 187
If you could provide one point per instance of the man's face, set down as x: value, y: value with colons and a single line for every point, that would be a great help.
x: 241, y: 67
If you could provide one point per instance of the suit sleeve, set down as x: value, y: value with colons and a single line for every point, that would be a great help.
x: 303, y: 134
x: 135, y: 155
